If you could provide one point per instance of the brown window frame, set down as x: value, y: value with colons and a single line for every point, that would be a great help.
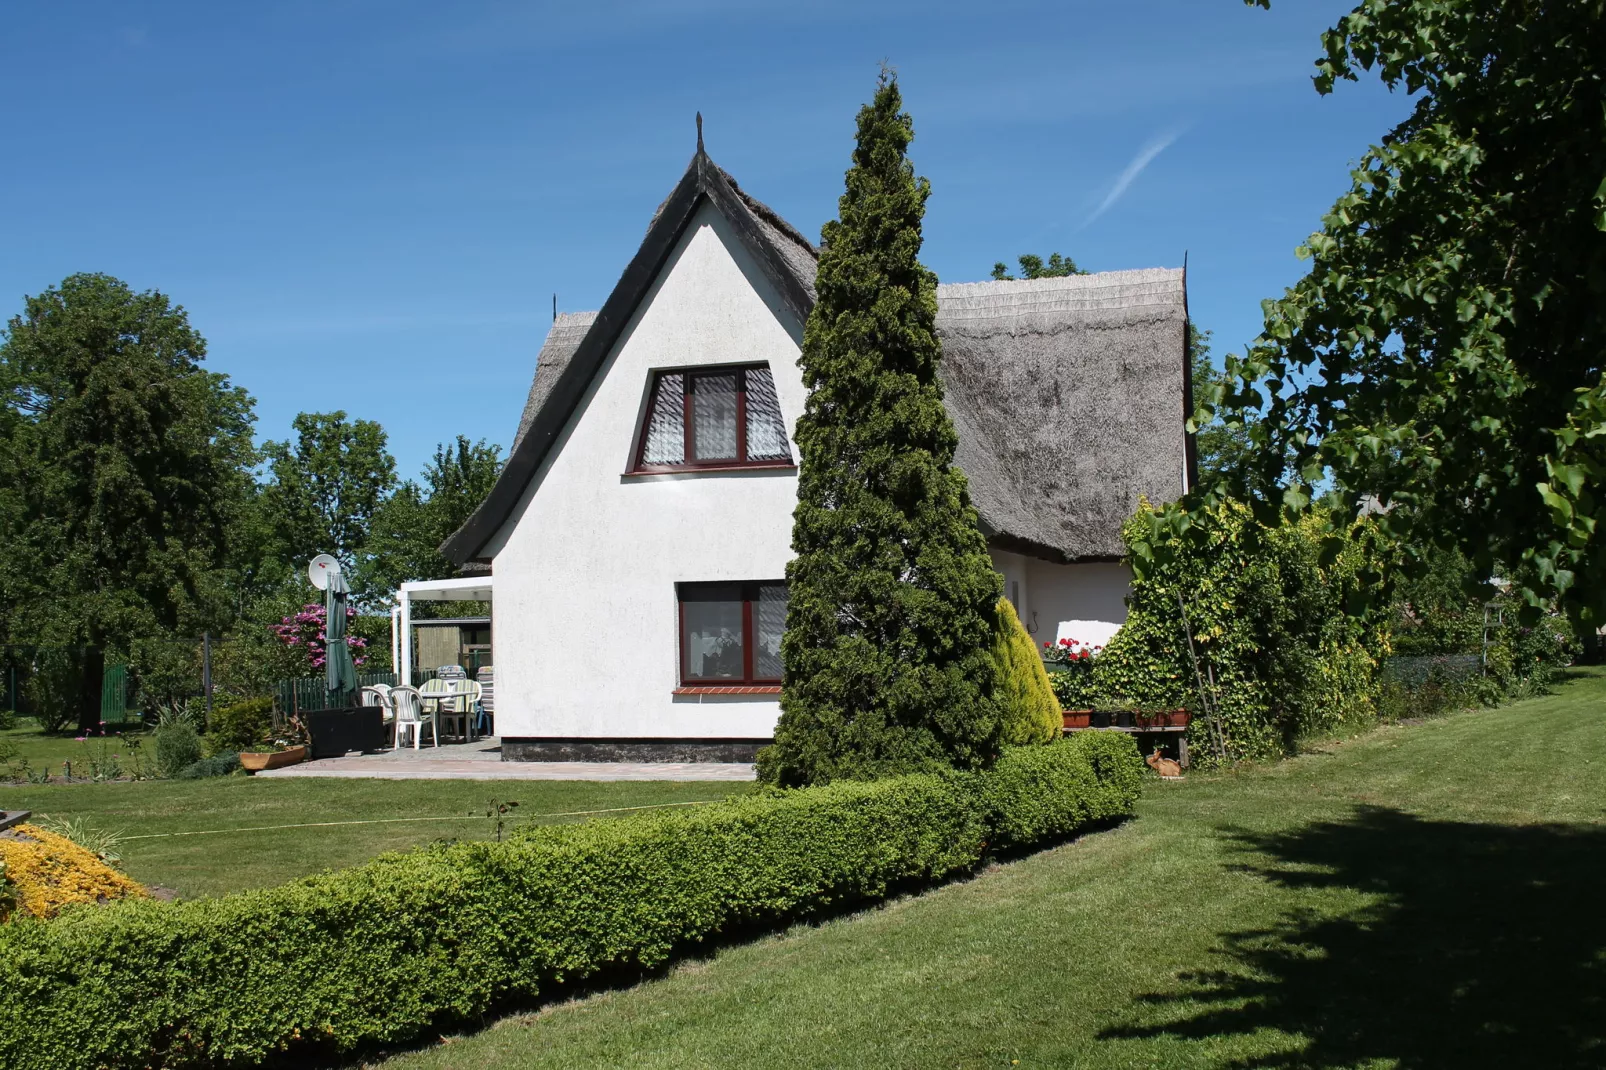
x: 638, y: 465
x: 750, y: 594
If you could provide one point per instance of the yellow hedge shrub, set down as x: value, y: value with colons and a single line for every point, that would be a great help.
x: 47, y: 872
x: 1025, y: 693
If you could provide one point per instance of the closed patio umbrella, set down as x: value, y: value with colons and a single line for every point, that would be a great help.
x: 340, y: 674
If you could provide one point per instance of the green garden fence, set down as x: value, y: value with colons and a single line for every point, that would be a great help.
x: 307, y: 692
x: 114, y: 695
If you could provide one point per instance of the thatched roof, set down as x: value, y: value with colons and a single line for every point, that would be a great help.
x: 568, y: 330
x: 1068, y: 394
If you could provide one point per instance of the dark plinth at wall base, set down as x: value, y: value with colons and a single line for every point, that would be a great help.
x: 560, y: 749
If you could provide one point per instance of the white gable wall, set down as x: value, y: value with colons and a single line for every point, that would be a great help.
x: 1045, y: 593
x: 585, y: 615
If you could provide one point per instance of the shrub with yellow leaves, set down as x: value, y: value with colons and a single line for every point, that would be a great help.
x: 47, y: 872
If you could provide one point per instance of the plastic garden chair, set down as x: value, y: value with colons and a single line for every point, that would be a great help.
x: 432, y: 691
x: 411, y: 717
x: 379, y: 695
x: 486, y: 724
x: 459, y: 705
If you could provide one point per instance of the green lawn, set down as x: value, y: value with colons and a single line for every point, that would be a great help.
x: 1425, y: 896
x: 405, y: 812
x: 45, y: 753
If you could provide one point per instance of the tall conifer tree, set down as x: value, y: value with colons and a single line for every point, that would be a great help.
x: 887, y: 647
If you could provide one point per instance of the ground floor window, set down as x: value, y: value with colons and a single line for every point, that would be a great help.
x: 730, y: 633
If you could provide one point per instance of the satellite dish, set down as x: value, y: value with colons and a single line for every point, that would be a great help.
x: 320, y: 568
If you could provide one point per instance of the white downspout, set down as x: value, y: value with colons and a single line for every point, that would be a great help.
x: 395, y: 638
x: 406, y: 676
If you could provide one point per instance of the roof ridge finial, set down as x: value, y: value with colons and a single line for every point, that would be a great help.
x: 699, y: 131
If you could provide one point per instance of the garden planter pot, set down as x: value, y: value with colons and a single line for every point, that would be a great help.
x: 334, y: 732
x: 1161, y: 719
x: 256, y: 761
x: 1078, y: 718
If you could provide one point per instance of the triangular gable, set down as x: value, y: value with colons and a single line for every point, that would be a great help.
x: 774, y: 245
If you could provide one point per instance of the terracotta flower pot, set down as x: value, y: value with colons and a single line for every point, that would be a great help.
x: 1077, y: 718
x: 1161, y: 719
x: 256, y: 761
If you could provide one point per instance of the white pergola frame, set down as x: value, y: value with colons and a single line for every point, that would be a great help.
x: 458, y: 589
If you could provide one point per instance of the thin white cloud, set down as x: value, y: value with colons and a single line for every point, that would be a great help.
x: 1139, y: 162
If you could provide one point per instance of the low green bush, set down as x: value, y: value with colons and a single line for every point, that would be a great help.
x: 381, y: 953
x: 177, y: 746
x: 240, y: 725
x: 218, y: 765
x: 1035, y: 794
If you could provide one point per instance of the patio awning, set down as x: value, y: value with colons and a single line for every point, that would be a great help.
x: 456, y: 589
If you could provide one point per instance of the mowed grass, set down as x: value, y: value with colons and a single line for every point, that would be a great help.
x: 235, y: 851
x: 1423, y: 896
x: 45, y: 753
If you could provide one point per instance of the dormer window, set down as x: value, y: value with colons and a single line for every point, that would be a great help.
x: 722, y: 417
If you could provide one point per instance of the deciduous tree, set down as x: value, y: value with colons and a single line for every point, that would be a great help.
x: 124, y: 465
x: 326, y: 486
x: 1034, y: 267
x: 1443, y: 358
x: 1221, y: 447
x: 407, y: 532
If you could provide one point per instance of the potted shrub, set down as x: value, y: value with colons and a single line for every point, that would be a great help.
x: 1114, y: 713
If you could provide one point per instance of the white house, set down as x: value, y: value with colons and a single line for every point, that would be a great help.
x: 639, y: 534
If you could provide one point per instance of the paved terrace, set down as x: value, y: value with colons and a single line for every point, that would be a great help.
x: 482, y: 760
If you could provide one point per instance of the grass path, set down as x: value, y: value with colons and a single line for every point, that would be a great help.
x: 257, y: 857
x: 1424, y: 896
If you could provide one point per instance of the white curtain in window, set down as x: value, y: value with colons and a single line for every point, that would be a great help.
x: 769, y: 621
x: 713, y: 416
x: 766, y: 430
x: 666, y: 422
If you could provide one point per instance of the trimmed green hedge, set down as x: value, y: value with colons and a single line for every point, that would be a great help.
x: 1036, y: 794
x: 381, y: 953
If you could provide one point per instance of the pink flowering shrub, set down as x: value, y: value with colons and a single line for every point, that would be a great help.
x: 306, y: 632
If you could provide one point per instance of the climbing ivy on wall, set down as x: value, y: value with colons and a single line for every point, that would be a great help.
x: 1275, y: 621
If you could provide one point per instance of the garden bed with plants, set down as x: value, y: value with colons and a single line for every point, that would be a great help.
x: 242, y: 734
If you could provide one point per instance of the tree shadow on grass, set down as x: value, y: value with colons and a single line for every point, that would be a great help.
x: 1485, y: 946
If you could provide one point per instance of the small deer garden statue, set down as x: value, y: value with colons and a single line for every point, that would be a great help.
x: 1164, y: 766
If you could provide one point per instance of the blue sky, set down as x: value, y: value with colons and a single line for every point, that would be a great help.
x: 368, y: 205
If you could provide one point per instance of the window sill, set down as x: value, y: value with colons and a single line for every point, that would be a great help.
x: 683, y: 470
x: 725, y: 689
